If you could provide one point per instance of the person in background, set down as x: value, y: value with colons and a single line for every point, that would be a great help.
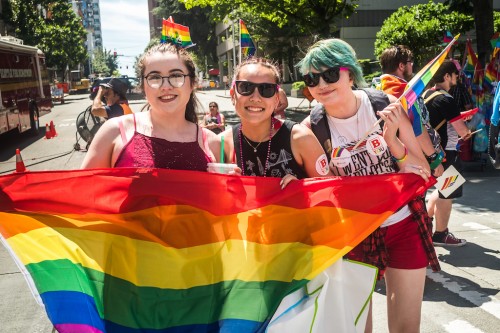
x: 282, y: 105
x: 214, y: 120
x: 460, y: 93
x: 114, y: 92
x: 167, y: 134
x: 445, y: 117
x: 402, y: 247
x: 262, y: 145
x: 397, y: 66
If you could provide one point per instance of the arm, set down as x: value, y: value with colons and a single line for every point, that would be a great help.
x: 306, y: 122
x: 97, y: 107
x: 222, y: 124
x: 100, y: 153
x: 308, y: 152
x: 427, y: 147
x: 404, y: 148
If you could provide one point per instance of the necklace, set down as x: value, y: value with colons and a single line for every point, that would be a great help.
x: 254, y: 148
x: 240, y: 134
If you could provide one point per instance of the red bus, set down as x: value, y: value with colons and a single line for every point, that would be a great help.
x: 24, y: 86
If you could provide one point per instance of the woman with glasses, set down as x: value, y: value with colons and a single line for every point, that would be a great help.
x: 214, y: 120
x: 401, y: 248
x: 167, y: 135
x: 262, y: 145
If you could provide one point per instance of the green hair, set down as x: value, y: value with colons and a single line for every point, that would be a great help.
x: 329, y: 53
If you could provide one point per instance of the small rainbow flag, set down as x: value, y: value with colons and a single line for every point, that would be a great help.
x: 175, y: 33
x: 417, y: 84
x: 135, y: 250
x: 247, y: 46
x: 448, y: 37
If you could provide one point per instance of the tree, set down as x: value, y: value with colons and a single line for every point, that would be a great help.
x: 307, y: 16
x: 482, y: 11
x: 422, y: 28
x: 99, y: 62
x: 53, y: 27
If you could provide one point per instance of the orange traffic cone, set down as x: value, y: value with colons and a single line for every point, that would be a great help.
x: 53, y: 132
x: 19, y: 162
x: 47, y: 132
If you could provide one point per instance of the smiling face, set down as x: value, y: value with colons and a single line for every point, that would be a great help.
x: 167, y: 97
x: 330, y: 94
x: 254, y: 108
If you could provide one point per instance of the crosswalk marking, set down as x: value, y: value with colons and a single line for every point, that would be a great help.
x: 487, y: 303
x: 481, y: 228
x: 461, y: 326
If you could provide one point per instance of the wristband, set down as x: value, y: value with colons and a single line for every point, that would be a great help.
x: 402, y: 159
x: 435, y: 163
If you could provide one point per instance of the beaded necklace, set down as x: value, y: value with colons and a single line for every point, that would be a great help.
x: 240, y: 134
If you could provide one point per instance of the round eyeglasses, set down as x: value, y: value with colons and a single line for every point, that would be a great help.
x: 176, y: 80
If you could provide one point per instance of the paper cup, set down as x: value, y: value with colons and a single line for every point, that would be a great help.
x: 220, y: 168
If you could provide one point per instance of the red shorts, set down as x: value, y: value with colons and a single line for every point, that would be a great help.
x: 405, y: 249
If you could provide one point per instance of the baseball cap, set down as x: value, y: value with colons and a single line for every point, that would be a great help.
x: 117, y: 85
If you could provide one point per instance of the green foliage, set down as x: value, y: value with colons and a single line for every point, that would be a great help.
x: 421, y: 27
x: 61, y: 36
x: 299, y: 85
x: 496, y: 21
x: 307, y: 16
x: 101, y: 62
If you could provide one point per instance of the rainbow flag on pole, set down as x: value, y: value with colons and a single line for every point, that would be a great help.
x: 247, y: 47
x: 134, y: 250
x: 417, y: 84
x: 175, y: 33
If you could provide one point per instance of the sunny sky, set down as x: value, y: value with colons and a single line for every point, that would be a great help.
x: 125, y: 28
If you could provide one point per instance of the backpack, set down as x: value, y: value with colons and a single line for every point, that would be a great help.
x: 319, y: 123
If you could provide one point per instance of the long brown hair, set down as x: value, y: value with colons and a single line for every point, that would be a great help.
x: 193, y: 103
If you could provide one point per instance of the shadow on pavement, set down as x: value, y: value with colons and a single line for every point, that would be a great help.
x: 471, y: 255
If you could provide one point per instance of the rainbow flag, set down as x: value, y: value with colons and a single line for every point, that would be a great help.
x: 247, y: 46
x: 175, y: 33
x: 135, y: 250
x: 448, y: 37
x: 491, y: 74
x: 417, y: 84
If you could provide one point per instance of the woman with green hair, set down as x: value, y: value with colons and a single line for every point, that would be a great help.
x: 344, y: 122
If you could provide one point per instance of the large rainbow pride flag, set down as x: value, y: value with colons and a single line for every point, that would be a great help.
x: 131, y: 250
x: 175, y: 33
x: 247, y: 46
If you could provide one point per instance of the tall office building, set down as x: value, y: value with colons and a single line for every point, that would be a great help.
x: 89, y: 12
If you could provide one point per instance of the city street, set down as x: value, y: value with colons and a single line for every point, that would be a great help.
x: 463, y: 297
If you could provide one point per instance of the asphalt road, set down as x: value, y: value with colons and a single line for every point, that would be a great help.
x: 463, y: 297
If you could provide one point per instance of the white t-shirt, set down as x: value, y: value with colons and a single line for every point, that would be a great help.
x: 371, y: 157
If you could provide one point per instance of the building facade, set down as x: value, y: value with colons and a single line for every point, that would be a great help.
x: 89, y: 13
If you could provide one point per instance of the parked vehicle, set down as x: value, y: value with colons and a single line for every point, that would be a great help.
x: 24, y: 86
x: 79, y: 85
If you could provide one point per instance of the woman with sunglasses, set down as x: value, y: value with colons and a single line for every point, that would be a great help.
x: 401, y: 248
x: 214, y: 120
x: 167, y: 135
x: 262, y: 145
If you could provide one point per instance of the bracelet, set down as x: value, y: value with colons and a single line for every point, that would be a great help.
x: 435, y: 163
x: 402, y: 159
x: 431, y: 157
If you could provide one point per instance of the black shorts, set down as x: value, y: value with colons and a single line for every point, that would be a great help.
x: 452, y: 158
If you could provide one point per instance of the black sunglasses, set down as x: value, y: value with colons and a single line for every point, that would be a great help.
x: 331, y: 75
x: 266, y: 90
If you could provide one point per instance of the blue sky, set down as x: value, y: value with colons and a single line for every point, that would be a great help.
x: 125, y: 28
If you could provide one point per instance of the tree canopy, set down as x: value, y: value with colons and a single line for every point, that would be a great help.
x: 422, y: 28
x: 53, y: 27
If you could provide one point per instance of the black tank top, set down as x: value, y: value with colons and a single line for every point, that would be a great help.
x: 281, y: 159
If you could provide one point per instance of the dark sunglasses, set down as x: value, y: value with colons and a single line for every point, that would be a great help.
x: 266, y: 90
x: 331, y: 75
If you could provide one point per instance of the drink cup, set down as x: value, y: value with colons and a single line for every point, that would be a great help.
x: 221, y: 168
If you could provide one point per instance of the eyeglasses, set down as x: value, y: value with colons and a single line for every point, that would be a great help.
x: 176, y: 80
x: 212, y: 106
x: 266, y: 90
x: 331, y: 75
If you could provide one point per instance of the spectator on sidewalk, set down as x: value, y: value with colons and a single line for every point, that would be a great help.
x: 114, y: 92
x: 214, y: 120
x: 445, y: 118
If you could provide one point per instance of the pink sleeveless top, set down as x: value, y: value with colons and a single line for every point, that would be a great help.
x: 144, y: 151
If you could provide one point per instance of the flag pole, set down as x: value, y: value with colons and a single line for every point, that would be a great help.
x: 239, y: 29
